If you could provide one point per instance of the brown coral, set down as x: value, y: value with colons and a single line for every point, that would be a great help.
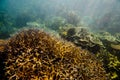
x: 34, y: 55
x: 2, y: 43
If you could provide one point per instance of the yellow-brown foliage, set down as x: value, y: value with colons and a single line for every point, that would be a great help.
x: 34, y: 55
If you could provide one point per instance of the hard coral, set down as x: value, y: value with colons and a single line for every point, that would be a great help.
x: 111, y: 64
x: 81, y: 36
x: 35, y: 55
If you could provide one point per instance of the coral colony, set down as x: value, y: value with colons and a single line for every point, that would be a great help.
x: 34, y: 55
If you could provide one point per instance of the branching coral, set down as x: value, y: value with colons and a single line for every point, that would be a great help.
x: 111, y: 64
x: 33, y: 54
x: 106, y: 45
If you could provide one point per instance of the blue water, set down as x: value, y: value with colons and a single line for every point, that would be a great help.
x: 15, y: 14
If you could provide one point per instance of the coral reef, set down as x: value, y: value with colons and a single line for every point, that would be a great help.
x: 35, y: 55
x: 103, y: 35
x: 111, y: 64
x: 117, y: 35
x: 105, y: 46
x: 81, y: 37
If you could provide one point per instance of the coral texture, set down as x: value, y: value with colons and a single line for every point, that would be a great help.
x: 104, y: 45
x: 35, y: 55
x: 81, y: 36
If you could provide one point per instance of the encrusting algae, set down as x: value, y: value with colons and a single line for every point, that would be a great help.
x: 34, y: 55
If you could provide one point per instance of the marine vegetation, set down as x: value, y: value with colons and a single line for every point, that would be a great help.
x: 35, y: 55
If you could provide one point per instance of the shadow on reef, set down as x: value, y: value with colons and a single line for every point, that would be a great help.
x: 35, y: 55
x: 2, y: 59
x: 104, y: 45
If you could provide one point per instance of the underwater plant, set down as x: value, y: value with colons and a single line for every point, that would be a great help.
x: 35, y: 55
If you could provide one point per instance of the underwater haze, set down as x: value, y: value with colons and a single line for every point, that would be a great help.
x: 96, y: 14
